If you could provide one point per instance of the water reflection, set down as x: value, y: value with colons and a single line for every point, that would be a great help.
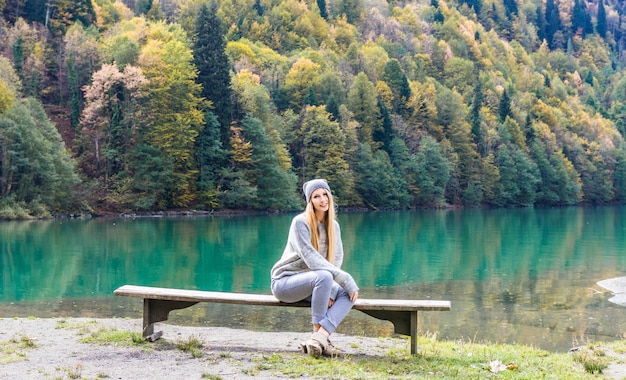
x: 525, y: 276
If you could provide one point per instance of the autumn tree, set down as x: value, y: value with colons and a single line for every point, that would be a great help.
x: 174, y: 109
x: 81, y: 60
x: 303, y: 76
x: 110, y: 122
x: 363, y: 104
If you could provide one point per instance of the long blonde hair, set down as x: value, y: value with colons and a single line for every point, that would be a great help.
x: 329, y: 224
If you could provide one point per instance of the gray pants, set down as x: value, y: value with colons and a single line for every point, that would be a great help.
x: 315, y: 286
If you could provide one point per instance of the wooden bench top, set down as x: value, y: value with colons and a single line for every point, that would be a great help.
x: 169, y: 294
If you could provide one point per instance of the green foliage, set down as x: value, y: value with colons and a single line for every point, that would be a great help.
x: 432, y: 173
x: 363, y: 104
x: 174, y: 109
x: 394, y: 76
x: 398, y: 104
x: 323, y: 154
x: 213, y: 68
x: 377, y: 182
x: 518, y: 177
x: 273, y: 185
x: 36, y: 171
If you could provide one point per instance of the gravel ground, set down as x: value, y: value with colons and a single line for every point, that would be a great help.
x: 52, y: 349
x: 56, y: 352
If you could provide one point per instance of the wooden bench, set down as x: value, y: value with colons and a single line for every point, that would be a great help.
x: 158, y: 302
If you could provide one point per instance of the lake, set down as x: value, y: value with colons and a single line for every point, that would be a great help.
x: 523, y: 276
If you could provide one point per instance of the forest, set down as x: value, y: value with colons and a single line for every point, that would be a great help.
x: 141, y: 106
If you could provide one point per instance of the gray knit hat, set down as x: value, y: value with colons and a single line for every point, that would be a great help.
x: 310, y: 186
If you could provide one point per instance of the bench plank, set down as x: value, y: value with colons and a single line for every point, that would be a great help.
x: 158, y: 302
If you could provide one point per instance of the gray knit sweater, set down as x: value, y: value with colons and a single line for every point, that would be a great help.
x: 300, y: 255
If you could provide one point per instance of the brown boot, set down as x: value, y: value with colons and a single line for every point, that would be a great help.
x: 330, y: 350
x: 316, y: 345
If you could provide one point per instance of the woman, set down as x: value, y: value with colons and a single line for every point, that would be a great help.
x: 309, y: 268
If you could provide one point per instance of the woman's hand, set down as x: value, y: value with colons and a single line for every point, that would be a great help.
x: 330, y: 302
x: 354, y: 296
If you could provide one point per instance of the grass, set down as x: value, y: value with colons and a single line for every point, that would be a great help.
x: 193, y: 345
x: 15, y: 349
x: 447, y: 360
x: 436, y: 359
x: 114, y: 337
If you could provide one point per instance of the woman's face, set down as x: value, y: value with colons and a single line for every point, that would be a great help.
x: 320, y: 200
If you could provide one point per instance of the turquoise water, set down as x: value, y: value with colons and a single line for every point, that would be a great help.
x: 514, y: 276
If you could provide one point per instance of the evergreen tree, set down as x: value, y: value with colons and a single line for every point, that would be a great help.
x: 212, y: 63
x: 559, y: 183
x: 394, y: 76
x: 264, y: 171
x: 63, y: 13
x: 474, y: 114
x: 504, y: 108
x: 155, y: 13
x: 210, y: 156
x: 581, y: 21
x: 35, y: 167
x: 541, y: 24
x: 432, y: 173
x: 324, y: 154
x: 258, y: 7
x: 510, y: 7
x: 321, y: 4
x: 619, y: 182
x: 475, y: 4
x: 553, y: 23
x: 352, y: 9
x: 384, y: 134
x: 362, y: 103
x: 377, y: 182
x: 151, y: 178
x: 601, y: 27
x: 518, y: 177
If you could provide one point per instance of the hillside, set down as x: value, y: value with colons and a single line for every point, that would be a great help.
x: 139, y: 105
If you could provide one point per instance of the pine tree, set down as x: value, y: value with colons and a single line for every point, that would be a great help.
x: 362, y: 103
x: 504, y: 109
x: 601, y: 22
x: 394, y: 76
x: 541, y: 24
x: 210, y: 156
x: 553, y: 22
x: 510, y: 7
x: 213, y: 68
x: 474, y: 114
x: 581, y: 21
x: 258, y: 7
x: 321, y: 4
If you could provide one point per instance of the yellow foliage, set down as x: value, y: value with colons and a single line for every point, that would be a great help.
x: 383, y: 91
x: 375, y: 57
x: 302, y: 75
x: 236, y: 50
x: 6, y: 97
x: 241, y: 149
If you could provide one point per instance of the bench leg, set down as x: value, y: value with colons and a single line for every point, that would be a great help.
x: 414, y: 333
x: 404, y: 322
x: 158, y: 311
